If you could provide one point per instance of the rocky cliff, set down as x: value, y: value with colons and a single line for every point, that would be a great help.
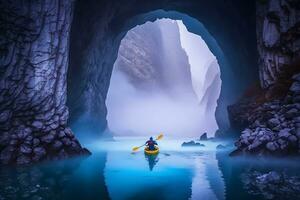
x: 152, y: 58
x: 278, y: 38
x: 140, y: 55
x: 34, y: 59
x: 271, y: 113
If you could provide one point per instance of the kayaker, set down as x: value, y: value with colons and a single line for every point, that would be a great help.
x: 151, y: 144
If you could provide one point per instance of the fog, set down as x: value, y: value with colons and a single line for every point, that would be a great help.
x: 166, y: 80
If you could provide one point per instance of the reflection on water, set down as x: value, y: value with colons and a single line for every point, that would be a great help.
x: 175, y: 173
x: 152, y: 160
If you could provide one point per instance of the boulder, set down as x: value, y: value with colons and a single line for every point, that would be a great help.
x: 203, y: 136
x: 284, y: 133
x: 293, y: 139
x: 296, y: 77
x: 57, y: 145
x: 273, y: 122
x: 291, y: 113
x: 39, y: 152
x: 47, y: 138
x: 25, y: 149
x: 36, y: 142
x: 272, y: 146
x: 37, y: 124
x: 295, y: 87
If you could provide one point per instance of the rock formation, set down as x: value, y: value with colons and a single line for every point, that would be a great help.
x: 278, y: 42
x: 145, y: 58
x: 271, y: 114
x: 34, y: 59
x: 139, y: 56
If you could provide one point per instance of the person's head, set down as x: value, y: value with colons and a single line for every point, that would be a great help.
x: 151, y: 138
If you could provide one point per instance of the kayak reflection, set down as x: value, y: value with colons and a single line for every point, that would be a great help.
x: 152, y: 160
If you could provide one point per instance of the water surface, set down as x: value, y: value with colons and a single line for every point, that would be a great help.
x: 114, y: 172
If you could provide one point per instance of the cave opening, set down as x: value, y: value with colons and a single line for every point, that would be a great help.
x: 165, y: 79
x: 92, y: 60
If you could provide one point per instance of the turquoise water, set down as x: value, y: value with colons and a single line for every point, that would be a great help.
x: 113, y: 172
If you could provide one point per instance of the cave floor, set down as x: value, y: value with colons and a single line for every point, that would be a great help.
x: 113, y: 172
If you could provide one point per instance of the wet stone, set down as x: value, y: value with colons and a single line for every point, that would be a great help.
x: 57, y: 145
x: 25, y: 149
x: 47, y: 138
x: 39, y: 151
x: 37, y: 124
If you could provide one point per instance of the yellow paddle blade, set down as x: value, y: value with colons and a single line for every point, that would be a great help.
x: 135, y: 148
x: 160, y: 136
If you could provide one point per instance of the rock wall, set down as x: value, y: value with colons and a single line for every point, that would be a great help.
x: 278, y: 38
x: 271, y: 113
x: 139, y: 56
x: 34, y: 58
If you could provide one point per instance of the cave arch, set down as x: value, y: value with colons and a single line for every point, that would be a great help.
x: 94, y: 51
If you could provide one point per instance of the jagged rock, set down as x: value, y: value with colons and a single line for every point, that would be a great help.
x: 203, y: 136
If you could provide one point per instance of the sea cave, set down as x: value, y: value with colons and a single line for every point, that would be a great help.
x: 169, y: 99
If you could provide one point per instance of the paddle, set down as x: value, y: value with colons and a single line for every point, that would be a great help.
x: 160, y: 136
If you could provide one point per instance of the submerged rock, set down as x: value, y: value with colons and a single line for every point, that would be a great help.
x: 271, y: 185
x: 221, y: 147
x: 192, y: 144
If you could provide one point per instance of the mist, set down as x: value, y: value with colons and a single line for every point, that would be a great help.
x: 163, y: 82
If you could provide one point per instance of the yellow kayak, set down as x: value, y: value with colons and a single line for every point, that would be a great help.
x: 149, y: 152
